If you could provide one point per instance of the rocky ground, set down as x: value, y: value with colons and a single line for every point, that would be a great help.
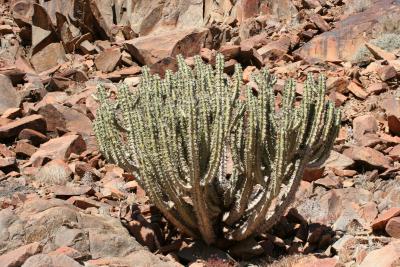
x: 62, y: 205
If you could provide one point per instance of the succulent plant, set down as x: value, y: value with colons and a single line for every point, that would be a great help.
x: 220, y: 159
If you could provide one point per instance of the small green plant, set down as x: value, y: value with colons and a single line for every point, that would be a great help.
x: 219, y: 164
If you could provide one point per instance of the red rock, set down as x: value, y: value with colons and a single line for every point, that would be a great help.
x: 377, y: 88
x: 364, y: 124
x: 313, y: 174
x: 65, y: 191
x: 247, y: 9
x: 393, y: 227
x: 18, y: 256
x: 7, y: 162
x: 9, y: 97
x: 229, y: 51
x: 250, y: 56
x: 275, y: 49
x: 12, y: 113
x: 379, y: 53
x: 48, y: 57
x: 313, y: 261
x: 328, y: 182
x: 387, y: 256
x: 338, y: 161
x: 391, y: 105
x: 311, y: 3
x: 24, y: 149
x: 320, y: 22
x: 337, y: 84
x: 148, y: 50
x: 59, y: 148
x: 108, y: 59
x: 395, y: 152
x: 369, y: 156
x: 143, y: 234
x: 357, y: 90
x: 68, y: 251
x: 35, y: 137
x: 84, y: 202
x: 380, y: 222
x: 349, y: 34
x: 47, y: 260
x: 35, y: 122
x: 386, y: 72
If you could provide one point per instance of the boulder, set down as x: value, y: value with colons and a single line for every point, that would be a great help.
x: 351, y: 33
x: 48, y: 57
x: 9, y: 97
x: 387, y: 256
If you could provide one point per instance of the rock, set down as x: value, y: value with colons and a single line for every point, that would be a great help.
x: 198, y: 250
x: 393, y: 227
x: 365, y: 124
x: 387, y: 256
x: 328, y: 182
x: 48, y: 57
x: 7, y: 162
x: 391, y: 105
x: 141, y: 258
x: 379, y: 53
x: 312, y: 260
x: 59, y: 148
x: 9, y: 97
x: 313, y: 174
x: 18, y: 256
x: 338, y: 161
x: 87, y: 47
x: 320, y: 22
x: 250, y: 57
x: 386, y: 72
x: 83, y: 202
x: 34, y: 122
x: 67, y: 191
x: 369, y: 156
x: 229, y: 51
x: 275, y: 49
x: 377, y: 88
x: 337, y: 84
x: 58, y: 116
x: 380, y: 222
x: 143, y: 234
x: 349, y: 33
x: 24, y: 149
x: 357, y: 90
x: 56, y: 172
x: 108, y: 59
x: 47, y: 260
x: 149, y: 50
x: 12, y: 113
x: 95, y: 235
x: 35, y: 137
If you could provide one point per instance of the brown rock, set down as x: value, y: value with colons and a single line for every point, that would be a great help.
x: 35, y: 122
x: 368, y: 155
x: 391, y: 105
x: 250, y: 56
x: 59, y: 148
x: 48, y: 57
x: 18, y: 256
x: 311, y: 3
x: 394, y: 153
x: 108, y: 59
x: 380, y: 222
x: 386, y: 72
x: 329, y: 45
x: 357, y: 90
x: 379, y: 53
x: 338, y: 84
x: 338, y: 161
x: 275, y: 49
x: 24, y: 149
x: 148, y: 50
x: 9, y: 97
x: 143, y: 234
x: 387, y: 256
x: 7, y: 162
x: 35, y: 137
x: 313, y: 174
x: 377, y: 88
x: 320, y: 22
x: 87, y: 47
x: 84, y: 202
x: 50, y: 260
x: 67, y: 191
x: 328, y: 182
x: 393, y: 227
x: 363, y: 125
x: 312, y: 260
x: 12, y: 113
x: 229, y: 51
x: 337, y: 98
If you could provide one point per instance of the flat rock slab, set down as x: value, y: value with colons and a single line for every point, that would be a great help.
x: 34, y: 122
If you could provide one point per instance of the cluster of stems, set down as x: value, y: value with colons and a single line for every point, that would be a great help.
x: 218, y: 158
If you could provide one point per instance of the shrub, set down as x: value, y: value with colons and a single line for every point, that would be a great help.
x: 218, y: 164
